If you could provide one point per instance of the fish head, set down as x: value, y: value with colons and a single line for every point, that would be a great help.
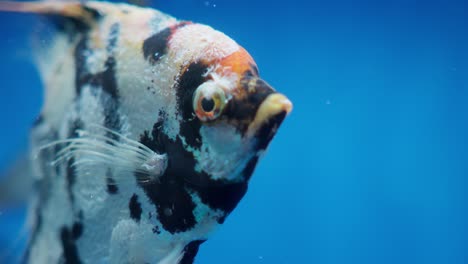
x: 237, y: 115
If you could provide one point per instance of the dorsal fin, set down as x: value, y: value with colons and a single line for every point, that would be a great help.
x: 77, y: 12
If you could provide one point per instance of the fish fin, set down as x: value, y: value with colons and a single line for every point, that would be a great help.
x: 78, y: 12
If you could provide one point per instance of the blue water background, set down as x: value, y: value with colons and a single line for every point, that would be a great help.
x: 372, y: 164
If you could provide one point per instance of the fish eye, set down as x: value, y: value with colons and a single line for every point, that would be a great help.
x: 207, y: 105
x: 208, y: 101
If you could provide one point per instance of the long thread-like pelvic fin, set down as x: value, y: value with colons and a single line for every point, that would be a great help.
x: 74, y: 10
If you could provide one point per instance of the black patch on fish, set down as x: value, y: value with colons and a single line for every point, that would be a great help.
x: 221, y: 196
x: 70, y: 251
x: 71, y: 177
x: 244, y: 110
x: 172, y: 201
x: 71, y: 25
x: 171, y: 191
x: 94, y: 13
x: 105, y: 80
x: 155, y: 47
x: 77, y: 230
x: 111, y: 184
x: 81, y: 75
x: 156, y: 140
x: 190, y: 251
x: 68, y: 25
x: 189, y: 81
x: 249, y: 168
x: 70, y: 169
x: 268, y: 130
x: 109, y: 82
x: 135, y: 208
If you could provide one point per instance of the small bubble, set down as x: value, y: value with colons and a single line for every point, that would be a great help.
x: 327, y: 102
x: 208, y: 4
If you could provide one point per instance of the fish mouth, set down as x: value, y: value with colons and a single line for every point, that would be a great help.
x: 271, y: 113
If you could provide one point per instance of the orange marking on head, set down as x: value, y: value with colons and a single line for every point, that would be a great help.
x: 239, y: 62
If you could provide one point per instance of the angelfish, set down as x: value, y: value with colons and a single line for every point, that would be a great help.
x: 149, y: 134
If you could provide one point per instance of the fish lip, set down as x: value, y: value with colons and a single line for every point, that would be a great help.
x: 278, y: 102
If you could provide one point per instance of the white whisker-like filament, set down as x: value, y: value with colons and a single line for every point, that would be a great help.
x: 137, y: 148
x: 110, y: 149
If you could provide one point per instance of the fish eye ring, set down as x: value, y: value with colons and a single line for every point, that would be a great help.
x: 208, y: 101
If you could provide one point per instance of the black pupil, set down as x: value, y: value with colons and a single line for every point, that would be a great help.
x: 207, y: 104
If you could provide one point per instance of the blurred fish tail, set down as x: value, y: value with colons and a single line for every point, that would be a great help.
x: 16, y: 184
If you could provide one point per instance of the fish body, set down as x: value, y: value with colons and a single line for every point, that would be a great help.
x: 150, y: 131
